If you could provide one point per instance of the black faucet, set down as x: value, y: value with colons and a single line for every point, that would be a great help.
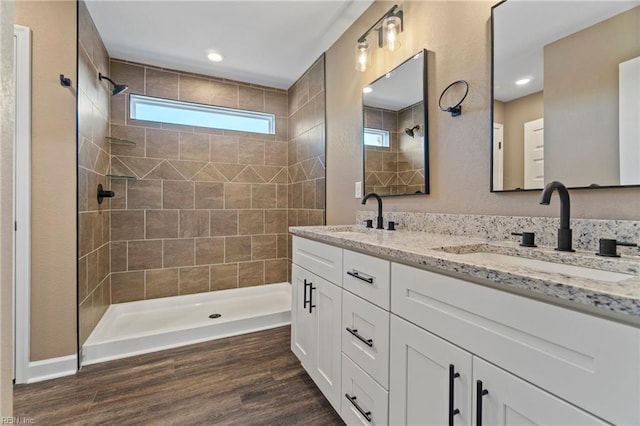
x: 377, y: 197
x: 564, y: 232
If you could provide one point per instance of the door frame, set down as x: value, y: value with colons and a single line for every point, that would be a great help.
x: 22, y: 203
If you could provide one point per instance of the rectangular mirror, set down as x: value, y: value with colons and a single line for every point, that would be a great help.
x: 395, y: 130
x: 566, y: 94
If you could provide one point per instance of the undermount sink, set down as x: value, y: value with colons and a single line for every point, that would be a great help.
x: 545, y: 266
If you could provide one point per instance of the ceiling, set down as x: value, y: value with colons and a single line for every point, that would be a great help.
x: 399, y: 88
x: 523, y: 27
x: 271, y: 43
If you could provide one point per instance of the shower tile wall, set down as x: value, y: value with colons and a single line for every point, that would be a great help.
x: 208, y: 208
x: 307, y: 148
x: 399, y: 168
x: 93, y: 164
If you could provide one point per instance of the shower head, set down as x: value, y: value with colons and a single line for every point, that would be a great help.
x: 117, y: 88
x: 411, y: 130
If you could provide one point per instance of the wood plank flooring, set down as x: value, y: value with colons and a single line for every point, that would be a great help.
x: 252, y: 379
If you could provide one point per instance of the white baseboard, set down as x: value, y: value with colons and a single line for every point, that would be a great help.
x: 52, y: 368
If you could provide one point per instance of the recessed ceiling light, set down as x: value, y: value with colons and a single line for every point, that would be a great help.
x: 215, y: 57
x: 367, y: 90
x: 523, y: 81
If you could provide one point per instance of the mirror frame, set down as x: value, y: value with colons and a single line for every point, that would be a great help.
x: 425, y: 127
x: 493, y: 65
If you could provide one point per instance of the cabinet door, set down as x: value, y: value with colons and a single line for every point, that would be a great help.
x: 423, y: 387
x: 326, y: 300
x: 302, y: 336
x: 511, y: 401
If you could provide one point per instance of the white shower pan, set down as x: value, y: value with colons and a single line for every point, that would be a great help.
x: 134, y: 328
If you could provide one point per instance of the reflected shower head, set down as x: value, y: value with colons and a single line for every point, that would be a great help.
x: 117, y: 88
x: 411, y: 130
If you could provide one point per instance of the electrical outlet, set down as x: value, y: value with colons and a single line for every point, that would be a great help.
x: 358, y: 189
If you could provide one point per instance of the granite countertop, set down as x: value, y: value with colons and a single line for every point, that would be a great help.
x: 619, y: 300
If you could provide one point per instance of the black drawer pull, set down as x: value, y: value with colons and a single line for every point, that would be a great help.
x: 366, y: 414
x: 480, y: 392
x: 356, y: 274
x: 304, y: 305
x: 311, y: 305
x: 354, y: 331
x: 452, y: 410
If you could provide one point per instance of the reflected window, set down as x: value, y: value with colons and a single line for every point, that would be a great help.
x: 191, y: 114
x: 376, y: 137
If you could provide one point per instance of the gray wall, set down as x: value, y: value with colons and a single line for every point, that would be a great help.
x: 460, y: 147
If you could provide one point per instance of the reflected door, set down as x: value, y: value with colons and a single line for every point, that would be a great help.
x: 534, y: 154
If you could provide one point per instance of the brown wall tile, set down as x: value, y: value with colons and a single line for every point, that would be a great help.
x: 224, y: 223
x: 209, y: 251
x: 250, y: 222
x: 263, y: 196
x: 194, y: 146
x: 250, y: 274
x: 162, y: 224
x: 118, y: 256
x: 263, y: 247
x: 237, y: 249
x: 224, y: 94
x: 194, y: 223
x: 251, y: 99
x: 127, y: 225
x: 144, y: 194
x: 275, y: 271
x: 251, y: 151
x: 161, y: 283
x: 144, y: 255
x: 127, y: 286
x: 237, y: 196
x: 224, y: 276
x: 209, y: 195
x: 194, y: 89
x: 177, y: 195
x: 224, y: 149
x: 162, y: 84
x: 194, y: 280
x: 162, y: 144
x: 178, y: 253
x: 275, y: 221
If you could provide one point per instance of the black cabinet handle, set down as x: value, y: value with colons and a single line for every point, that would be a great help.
x: 304, y: 305
x: 354, y: 331
x: 480, y: 392
x: 452, y: 376
x: 311, y: 305
x: 356, y: 274
x: 366, y: 414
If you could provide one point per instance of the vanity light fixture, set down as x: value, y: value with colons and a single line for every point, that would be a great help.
x: 389, y: 27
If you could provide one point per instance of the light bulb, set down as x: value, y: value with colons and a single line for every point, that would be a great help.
x: 214, y: 57
x: 363, y: 60
x: 391, y: 27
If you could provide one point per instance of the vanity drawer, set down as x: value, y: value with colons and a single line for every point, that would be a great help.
x: 367, y: 276
x: 364, y: 401
x: 591, y: 362
x: 365, y: 336
x: 321, y: 259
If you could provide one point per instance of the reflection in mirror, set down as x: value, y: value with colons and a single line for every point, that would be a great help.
x: 395, y: 131
x: 566, y: 94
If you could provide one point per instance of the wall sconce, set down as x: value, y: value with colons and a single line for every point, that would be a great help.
x: 389, y: 27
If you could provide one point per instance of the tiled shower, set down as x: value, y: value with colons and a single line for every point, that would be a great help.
x: 195, y: 209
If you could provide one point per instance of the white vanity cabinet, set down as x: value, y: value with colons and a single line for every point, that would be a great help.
x: 316, y: 318
x: 407, y: 346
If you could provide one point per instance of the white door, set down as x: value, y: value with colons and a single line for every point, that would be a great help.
x: 629, y: 121
x: 326, y: 303
x: 534, y: 154
x: 302, y: 338
x: 22, y: 202
x: 508, y: 400
x: 429, y: 378
x: 498, y: 157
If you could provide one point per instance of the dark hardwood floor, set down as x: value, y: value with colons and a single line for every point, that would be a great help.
x: 252, y: 379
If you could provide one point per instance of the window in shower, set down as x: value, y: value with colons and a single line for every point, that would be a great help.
x: 191, y: 114
x: 376, y: 137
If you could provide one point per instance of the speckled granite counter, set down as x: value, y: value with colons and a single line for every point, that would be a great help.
x: 619, y: 300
